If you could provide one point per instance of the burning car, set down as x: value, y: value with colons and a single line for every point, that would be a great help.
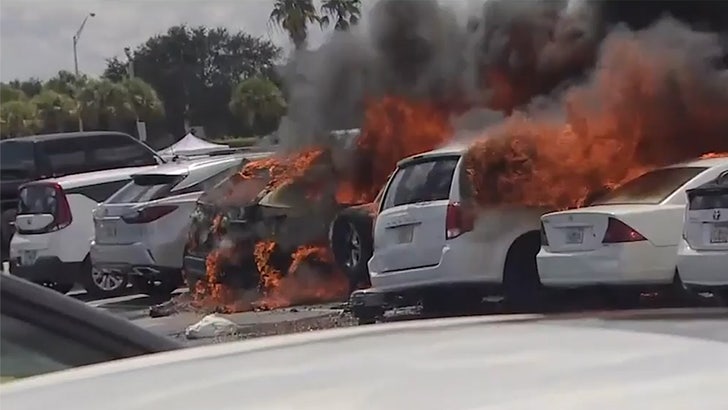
x: 275, y: 215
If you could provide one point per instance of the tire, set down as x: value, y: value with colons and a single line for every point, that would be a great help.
x: 522, y: 287
x: 352, y: 243
x: 101, y: 285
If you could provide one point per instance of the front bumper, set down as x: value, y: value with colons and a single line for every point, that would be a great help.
x: 47, y: 269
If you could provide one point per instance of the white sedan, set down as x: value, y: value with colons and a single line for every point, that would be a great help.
x: 627, y: 238
x: 702, y: 257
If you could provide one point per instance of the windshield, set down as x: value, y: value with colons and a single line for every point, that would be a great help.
x: 145, y: 189
x: 17, y: 160
x: 421, y: 181
x: 650, y: 188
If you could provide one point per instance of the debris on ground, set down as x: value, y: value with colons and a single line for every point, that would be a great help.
x: 163, y: 309
x: 211, y: 326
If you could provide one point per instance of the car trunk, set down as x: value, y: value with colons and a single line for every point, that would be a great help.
x: 706, y: 225
x: 584, y: 230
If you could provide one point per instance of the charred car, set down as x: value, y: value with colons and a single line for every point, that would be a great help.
x: 297, y: 208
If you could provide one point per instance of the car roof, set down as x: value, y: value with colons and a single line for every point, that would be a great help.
x: 67, y: 135
x: 94, y: 177
x: 373, y: 367
x: 452, y: 149
x: 186, y: 166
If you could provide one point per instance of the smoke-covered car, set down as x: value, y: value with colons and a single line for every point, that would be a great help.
x: 253, y: 208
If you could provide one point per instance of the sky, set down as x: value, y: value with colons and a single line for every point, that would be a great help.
x: 36, y: 35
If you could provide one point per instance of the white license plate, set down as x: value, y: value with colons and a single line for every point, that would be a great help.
x: 404, y: 233
x: 719, y: 233
x: 574, y: 236
x: 28, y: 257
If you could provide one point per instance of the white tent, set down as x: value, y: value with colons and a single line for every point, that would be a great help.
x: 191, y: 145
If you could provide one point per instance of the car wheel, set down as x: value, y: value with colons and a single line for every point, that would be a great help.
x: 102, y: 284
x: 522, y: 288
x: 351, y: 243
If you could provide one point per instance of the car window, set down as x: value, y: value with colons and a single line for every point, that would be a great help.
x: 37, y: 199
x: 421, y: 181
x: 66, y: 156
x: 27, y: 349
x: 134, y: 192
x: 99, y: 192
x: 709, y: 200
x: 118, y: 151
x: 210, y: 182
x: 650, y: 188
x: 17, y: 160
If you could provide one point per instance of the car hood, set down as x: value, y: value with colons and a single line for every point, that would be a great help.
x: 511, y: 363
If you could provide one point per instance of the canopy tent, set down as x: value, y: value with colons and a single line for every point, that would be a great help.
x: 191, y: 145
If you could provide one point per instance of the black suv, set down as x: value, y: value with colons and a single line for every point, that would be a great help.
x: 53, y: 155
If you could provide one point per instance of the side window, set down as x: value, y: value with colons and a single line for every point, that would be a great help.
x: 118, y: 151
x: 207, y: 184
x: 17, y: 160
x: 65, y: 156
x: 27, y: 349
x: 100, y: 192
x: 421, y: 182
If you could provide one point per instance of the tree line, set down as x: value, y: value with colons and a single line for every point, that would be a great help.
x: 227, y: 82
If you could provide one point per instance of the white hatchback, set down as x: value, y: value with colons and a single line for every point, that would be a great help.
x: 702, y: 257
x: 627, y: 238
x: 141, y: 231
x: 430, y: 236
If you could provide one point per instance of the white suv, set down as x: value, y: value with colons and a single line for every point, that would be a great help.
x: 431, y: 239
x: 702, y: 256
x: 54, y: 228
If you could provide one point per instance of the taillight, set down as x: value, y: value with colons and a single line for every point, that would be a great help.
x: 619, y: 232
x: 148, y: 214
x: 544, y: 239
x: 458, y: 220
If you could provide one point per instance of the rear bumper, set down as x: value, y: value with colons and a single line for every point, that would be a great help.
x: 135, y: 254
x: 624, y: 264
x: 702, y: 268
x: 47, y: 269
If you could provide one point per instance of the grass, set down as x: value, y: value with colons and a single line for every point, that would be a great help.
x: 238, y: 142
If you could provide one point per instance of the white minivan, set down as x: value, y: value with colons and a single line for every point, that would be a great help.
x: 430, y: 237
x: 702, y: 256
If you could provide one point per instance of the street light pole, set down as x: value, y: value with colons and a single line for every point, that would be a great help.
x: 76, y: 37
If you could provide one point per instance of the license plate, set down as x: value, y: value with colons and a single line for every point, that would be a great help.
x: 574, y: 236
x: 404, y: 233
x: 719, y: 233
x: 28, y: 257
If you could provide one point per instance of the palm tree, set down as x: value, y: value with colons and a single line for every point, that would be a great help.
x: 18, y: 118
x: 144, y: 99
x: 55, y: 110
x: 105, y: 104
x: 345, y: 12
x: 294, y: 16
x: 259, y: 101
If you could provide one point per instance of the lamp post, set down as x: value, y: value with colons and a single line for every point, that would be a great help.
x: 75, y: 57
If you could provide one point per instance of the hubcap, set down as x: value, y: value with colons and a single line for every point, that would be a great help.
x: 354, y: 244
x: 106, y: 281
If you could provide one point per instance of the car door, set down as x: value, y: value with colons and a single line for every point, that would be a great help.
x: 409, y: 231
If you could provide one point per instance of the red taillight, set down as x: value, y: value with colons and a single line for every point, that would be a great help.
x: 544, y: 239
x: 619, y: 232
x: 63, y: 216
x: 458, y: 220
x: 148, y: 214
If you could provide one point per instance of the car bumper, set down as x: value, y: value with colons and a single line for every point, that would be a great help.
x: 130, y: 260
x: 47, y: 269
x: 624, y: 264
x: 702, y: 268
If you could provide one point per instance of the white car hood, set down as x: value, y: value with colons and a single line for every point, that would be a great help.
x: 472, y: 363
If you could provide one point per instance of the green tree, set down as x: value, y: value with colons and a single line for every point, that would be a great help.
x: 66, y: 83
x: 55, y: 110
x: 30, y: 87
x: 259, y: 102
x: 345, y: 12
x: 105, y: 104
x: 294, y: 16
x: 193, y: 70
x: 144, y: 100
x: 18, y: 118
x: 9, y: 93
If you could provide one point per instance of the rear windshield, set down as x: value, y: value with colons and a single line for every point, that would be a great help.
x: 421, y: 181
x: 145, y: 189
x: 650, y: 188
x: 37, y: 199
x: 709, y: 200
x: 17, y: 160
